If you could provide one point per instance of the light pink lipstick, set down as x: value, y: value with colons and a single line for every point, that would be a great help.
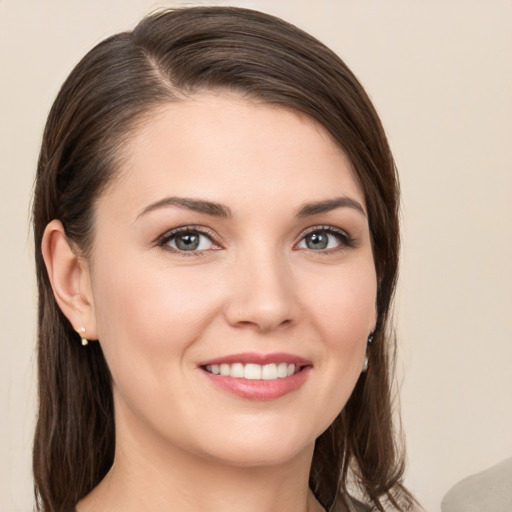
x: 258, y: 388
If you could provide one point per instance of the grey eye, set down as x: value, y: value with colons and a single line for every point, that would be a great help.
x: 317, y: 241
x: 187, y: 242
x: 321, y: 240
x: 190, y: 241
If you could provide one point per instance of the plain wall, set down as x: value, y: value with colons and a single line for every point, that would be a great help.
x: 440, y: 74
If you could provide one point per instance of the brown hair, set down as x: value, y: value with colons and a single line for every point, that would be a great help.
x: 168, y: 55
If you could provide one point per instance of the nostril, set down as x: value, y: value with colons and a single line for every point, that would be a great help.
x: 263, y: 300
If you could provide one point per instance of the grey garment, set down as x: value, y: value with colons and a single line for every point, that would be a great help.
x: 487, y: 491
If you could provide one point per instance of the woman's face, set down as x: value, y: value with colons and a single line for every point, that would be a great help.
x: 235, y: 241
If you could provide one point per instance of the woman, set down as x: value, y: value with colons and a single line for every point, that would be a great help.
x: 215, y: 219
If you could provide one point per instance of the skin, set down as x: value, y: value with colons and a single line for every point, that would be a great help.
x: 182, y: 443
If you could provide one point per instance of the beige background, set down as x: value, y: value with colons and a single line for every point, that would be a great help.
x: 440, y: 74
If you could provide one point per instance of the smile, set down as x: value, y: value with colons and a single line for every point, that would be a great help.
x: 252, y: 371
x: 256, y: 376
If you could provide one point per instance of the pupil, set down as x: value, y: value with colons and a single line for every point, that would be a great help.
x: 187, y: 241
x: 316, y: 241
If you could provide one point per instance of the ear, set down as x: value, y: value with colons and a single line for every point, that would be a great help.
x: 70, y: 280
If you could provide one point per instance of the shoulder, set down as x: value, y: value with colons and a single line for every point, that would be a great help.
x: 488, y: 490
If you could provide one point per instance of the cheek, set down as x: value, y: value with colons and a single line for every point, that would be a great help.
x: 344, y: 303
x: 146, y: 314
x: 344, y: 312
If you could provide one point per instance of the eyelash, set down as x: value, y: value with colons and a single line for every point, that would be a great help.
x: 345, y: 240
x: 164, y: 240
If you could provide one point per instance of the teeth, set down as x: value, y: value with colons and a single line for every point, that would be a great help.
x: 282, y: 370
x: 269, y: 372
x: 253, y: 371
x: 237, y: 370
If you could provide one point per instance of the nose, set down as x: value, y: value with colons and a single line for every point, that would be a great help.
x: 262, y: 293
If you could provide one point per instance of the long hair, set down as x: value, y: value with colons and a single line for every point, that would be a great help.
x: 169, y: 55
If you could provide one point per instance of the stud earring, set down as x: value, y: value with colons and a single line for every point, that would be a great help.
x: 371, y: 337
x: 84, y: 340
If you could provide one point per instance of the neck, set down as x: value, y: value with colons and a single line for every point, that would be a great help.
x: 150, y: 476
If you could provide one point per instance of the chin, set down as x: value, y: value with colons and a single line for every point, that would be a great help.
x: 254, y: 449
x: 263, y: 456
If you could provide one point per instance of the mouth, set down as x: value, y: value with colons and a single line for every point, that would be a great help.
x: 253, y: 371
x: 258, y: 376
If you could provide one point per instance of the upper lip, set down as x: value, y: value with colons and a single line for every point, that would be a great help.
x: 261, y: 359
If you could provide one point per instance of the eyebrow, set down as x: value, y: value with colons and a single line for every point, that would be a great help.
x: 219, y: 210
x: 196, y: 205
x: 314, y: 208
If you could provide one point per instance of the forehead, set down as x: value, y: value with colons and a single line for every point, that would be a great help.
x: 225, y: 147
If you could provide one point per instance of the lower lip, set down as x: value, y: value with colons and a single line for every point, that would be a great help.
x: 259, y: 389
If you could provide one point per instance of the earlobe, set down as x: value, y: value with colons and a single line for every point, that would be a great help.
x: 69, y: 277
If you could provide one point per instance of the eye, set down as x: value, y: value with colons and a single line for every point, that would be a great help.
x: 325, y: 239
x: 187, y: 240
